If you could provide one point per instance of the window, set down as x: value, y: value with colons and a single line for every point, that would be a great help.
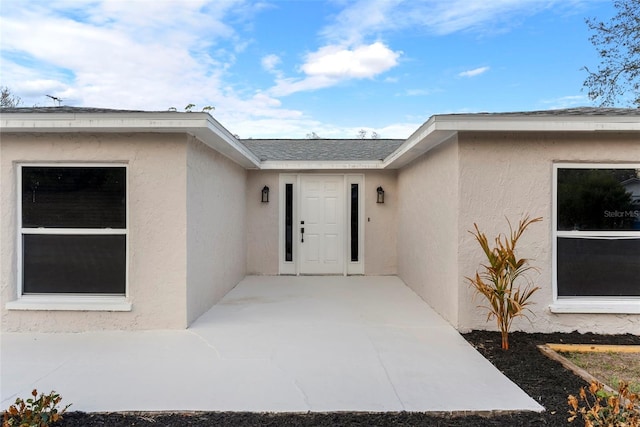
x: 355, y: 209
x: 596, y: 233
x: 73, y: 230
x: 287, y: 229
x: 354, y: 222
x: 288, y: 223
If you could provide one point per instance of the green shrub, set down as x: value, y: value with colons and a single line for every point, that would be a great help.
x: 597, y: 407
x: 497, y: 281
x: 37, y: 411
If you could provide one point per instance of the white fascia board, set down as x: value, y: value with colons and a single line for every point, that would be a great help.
x: 532, y: 123
x: 320, y: 165
x: 220, y: 139
x: 102, y: 122
x: 201, y: 125
x: 441, y: 128
x: 428, y: 136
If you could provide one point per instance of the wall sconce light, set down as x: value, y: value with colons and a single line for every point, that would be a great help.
x: 380, y: 192
x: 265, y: 194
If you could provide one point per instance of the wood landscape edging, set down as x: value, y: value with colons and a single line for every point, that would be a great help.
x: 551, y: 351
x: 593, y: 348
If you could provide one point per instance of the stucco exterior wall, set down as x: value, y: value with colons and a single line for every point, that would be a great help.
x: 262, y: 222
x: 428, y: 228
x: 381, y: 223
x: 510, y: 175
x: 216, y: 245
x: 156, y: 236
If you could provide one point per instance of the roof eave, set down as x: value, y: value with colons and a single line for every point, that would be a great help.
x: 321, y: 165
x: 201, y: 125
x: 442, y: 128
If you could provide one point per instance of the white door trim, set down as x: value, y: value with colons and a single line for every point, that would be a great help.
x: 292, y: 267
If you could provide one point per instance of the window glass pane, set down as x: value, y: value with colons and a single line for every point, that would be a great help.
x: 598, y: 199
x: 74, y: 264
x: 288, y: 223
x: 354, y: 222
x: 73, y: 197
x: 598, y: 267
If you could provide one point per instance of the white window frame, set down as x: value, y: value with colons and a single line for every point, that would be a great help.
x: 577, y: 304
x: 354, y: 267
x: 69, y: 301
x: 287, y: 267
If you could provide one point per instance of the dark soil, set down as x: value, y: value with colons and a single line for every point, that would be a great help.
x: 543, y: 379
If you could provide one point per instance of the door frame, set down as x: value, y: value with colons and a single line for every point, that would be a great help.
x: 293, y: 267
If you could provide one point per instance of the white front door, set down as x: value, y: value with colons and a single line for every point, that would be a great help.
x: 321, y: 245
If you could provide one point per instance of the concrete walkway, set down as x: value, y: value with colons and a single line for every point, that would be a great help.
x: 272, y: 344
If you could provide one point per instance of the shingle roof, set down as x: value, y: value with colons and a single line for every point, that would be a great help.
x: 578, y: 111
x: 67, y: 109
x: 322, y: 149
x: 596, y: 111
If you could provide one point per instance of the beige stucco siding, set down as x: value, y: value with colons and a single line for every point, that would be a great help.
x: 381, y: 223
x: 263, y: 221
x: 216, y: 246
x: 510, y: 175
x: 156, y: 185
x: 428, y: 231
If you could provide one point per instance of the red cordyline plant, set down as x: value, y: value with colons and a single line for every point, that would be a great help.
x: 497, y: 280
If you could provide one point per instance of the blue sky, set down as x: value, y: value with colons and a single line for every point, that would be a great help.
x: 275, y: 68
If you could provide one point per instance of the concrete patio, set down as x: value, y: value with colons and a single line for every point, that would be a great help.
x: 272, y: 344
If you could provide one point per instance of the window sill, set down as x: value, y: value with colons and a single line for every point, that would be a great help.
x: 68, y: 303
x: 627, y: 306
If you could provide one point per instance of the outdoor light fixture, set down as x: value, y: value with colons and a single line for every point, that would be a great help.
x: 265, y: 194
x: 380, y: 195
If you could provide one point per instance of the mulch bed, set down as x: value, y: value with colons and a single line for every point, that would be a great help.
x: 543, y: 379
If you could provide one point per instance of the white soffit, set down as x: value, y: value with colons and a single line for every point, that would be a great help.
x: 320, y: 165
x: 201, y: 125
x: 442, y: 128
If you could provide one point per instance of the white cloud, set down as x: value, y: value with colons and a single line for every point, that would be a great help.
x: 365, y: 18
x: 138, y: 56
x: 474, y: 72
x: 270, y: 62
x: 157, y: 54
x: 566, y: 102
x: 29, y: 83
x: 398, y: 130
x: 364, y: 61
x: 332, y: 64
x: 417, y: 92
x: 301, y: 127
x: 287, y: 86
x: 362, y: 18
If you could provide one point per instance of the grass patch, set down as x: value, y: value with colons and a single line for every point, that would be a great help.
x: 610, y: 367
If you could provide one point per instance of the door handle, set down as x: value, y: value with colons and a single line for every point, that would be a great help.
x: 302, y: 234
